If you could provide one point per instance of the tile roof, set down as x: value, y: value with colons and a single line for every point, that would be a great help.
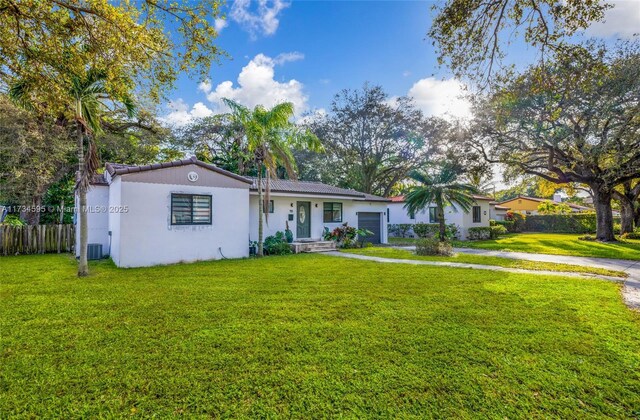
x: 400, y: 198
x: 121, y: 169
x: 99, y: 179
x: 313, y: 188
x: 276, y: 185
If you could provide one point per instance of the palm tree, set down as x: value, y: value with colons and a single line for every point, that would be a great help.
x: 442, y: 188
x: 270, y: 137
x: 87, y: 96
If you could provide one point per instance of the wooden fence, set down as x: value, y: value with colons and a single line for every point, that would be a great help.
x: 38, y: 239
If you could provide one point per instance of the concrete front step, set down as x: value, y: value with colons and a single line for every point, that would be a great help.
x: 319, y: 246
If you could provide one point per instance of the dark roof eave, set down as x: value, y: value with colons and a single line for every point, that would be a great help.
x: 358, y: 197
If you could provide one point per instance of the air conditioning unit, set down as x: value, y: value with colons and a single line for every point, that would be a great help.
x: 94, y: 251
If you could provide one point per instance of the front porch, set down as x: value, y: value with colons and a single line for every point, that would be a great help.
x: 312, y: 245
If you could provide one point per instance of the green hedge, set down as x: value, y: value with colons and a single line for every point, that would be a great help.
x: 564, y: 223
x: 484, y: 232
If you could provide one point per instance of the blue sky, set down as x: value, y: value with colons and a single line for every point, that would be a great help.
x: 306, y: 51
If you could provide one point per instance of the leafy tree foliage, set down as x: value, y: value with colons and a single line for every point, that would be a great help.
x: 550, y: 207
x: 137, y: 140
x: 42, y: 42
x: 575, y: 120
x: 371, y: 141
x: 219, y: 139
x: 34, y: 153
x: 472, y: 35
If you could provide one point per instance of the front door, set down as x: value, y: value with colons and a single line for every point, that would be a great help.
x: 303, y: 217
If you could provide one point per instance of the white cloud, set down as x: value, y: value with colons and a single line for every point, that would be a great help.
x: 256, y: 85
x: 441, y: 98
x: 288, y: 57
x: 220, y: 24
x: 263, y: 19
x: 180, y: 114
x: 205, y: 86
x: 622, y: 20
x: 406, y: 73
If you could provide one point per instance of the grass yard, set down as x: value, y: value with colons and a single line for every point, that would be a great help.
x: 559, y: 244
x: 311, y: 336
x: 404, y: 254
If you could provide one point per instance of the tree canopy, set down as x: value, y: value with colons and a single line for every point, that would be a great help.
x: 571, y: 121
x: 142, y: 44
x: 472, y: 35
x: 371, y: 141
x: 34, y: 153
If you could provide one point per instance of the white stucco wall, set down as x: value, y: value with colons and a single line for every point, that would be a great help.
x: 497, y: 214
x: 115, y: 190
x: 146, y: 236
x: 283, y: 207
x: 399, y: 215
x: 97, y: 218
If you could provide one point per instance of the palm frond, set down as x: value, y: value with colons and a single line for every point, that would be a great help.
x: 440, y: 187
x: 20, y: 94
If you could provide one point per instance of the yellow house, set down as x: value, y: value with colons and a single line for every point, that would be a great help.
x: 529, y: 205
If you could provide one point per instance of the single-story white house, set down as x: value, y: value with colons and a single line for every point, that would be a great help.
x: 478, y: 216
x: 188, y: 210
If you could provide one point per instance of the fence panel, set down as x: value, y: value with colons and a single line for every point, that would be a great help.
x: 38, y: 239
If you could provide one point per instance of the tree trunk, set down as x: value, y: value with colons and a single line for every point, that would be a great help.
x: 260, y: 204
x: 604, y: 214
x: 83, y: 265
x: 32, y: 215
x: 636, y: 217
x: 626, y: 215
x: 61, y: 220
x: 443, y: 229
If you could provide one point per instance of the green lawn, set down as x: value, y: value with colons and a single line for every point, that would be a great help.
x: 403, y: 254
x: 559, y: 244
x: 311, y: 336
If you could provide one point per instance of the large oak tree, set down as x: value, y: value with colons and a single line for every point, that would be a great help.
x: 575, y: 120
x: 372, y: 142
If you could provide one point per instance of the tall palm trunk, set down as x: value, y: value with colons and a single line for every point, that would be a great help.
x: 442, y: 226
x: 260, y: 211
x: 83, y: 266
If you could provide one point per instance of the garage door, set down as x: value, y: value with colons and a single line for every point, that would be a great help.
x: 370, y: 221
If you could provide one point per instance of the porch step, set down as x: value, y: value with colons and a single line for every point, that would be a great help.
x: 318, y: 246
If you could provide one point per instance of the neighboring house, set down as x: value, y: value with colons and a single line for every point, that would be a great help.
x: 529, y: 205
x: 477, y: 216
x: 188, y: 210
x: 497, y: 212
